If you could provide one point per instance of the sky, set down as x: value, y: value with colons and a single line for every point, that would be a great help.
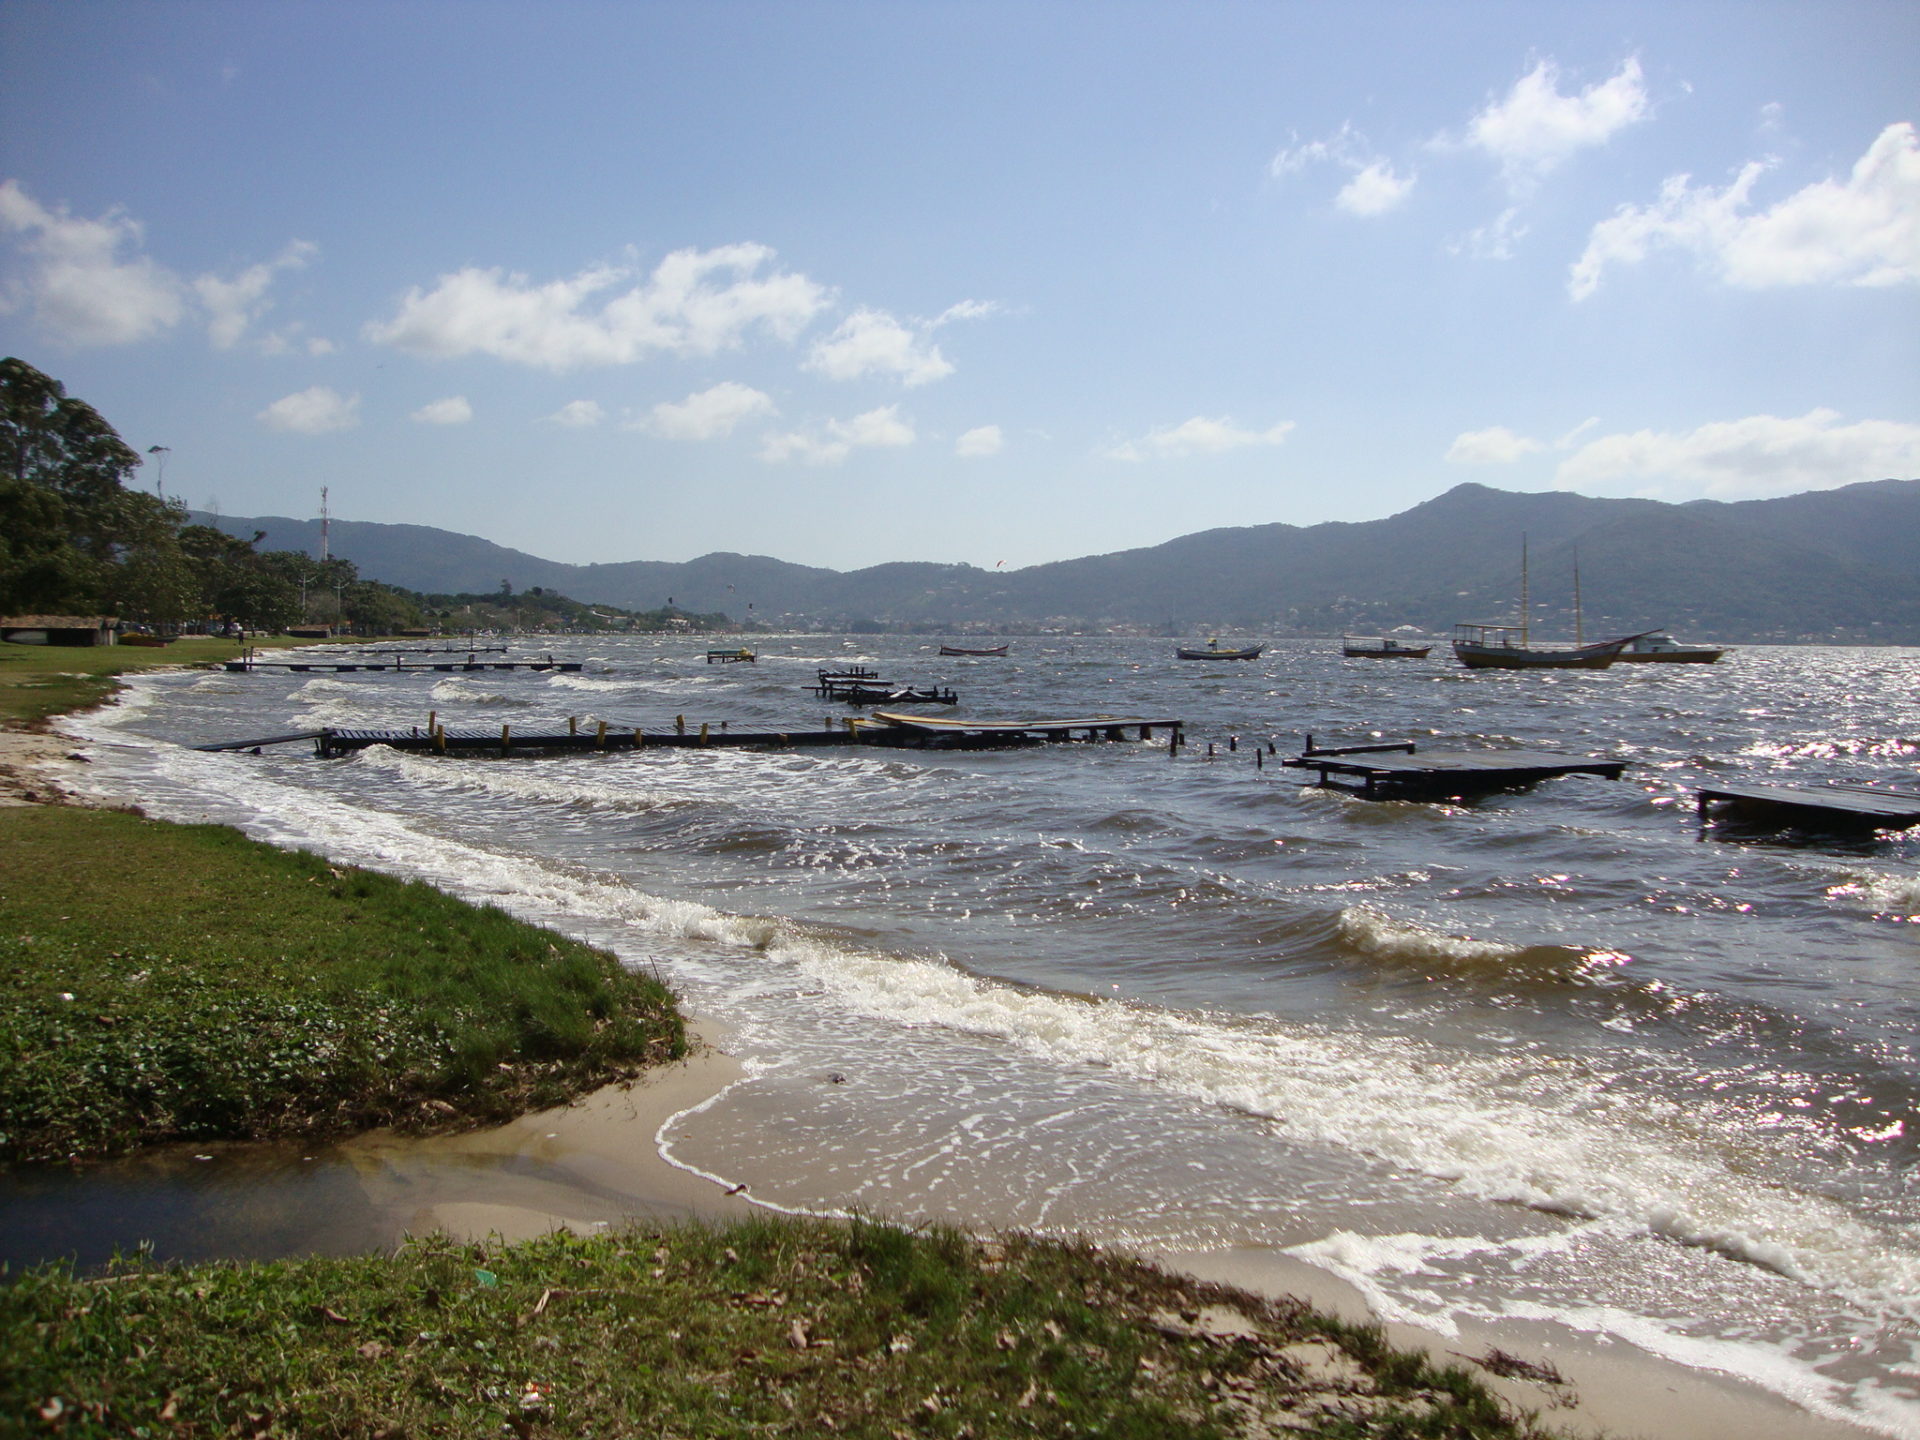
x: 994, y: 283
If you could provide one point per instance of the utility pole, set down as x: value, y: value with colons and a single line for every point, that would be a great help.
x: 324, y: 551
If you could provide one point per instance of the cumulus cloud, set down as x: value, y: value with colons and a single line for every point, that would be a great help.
x: 1535, y: 129
x: 1374, y: 187
x: 233, y: 305
x: 313, y: 412
x: 1199, y: 436
x: 871, y: 342
x: 454, y: 410
x: 1751, y: 458
x: 1375, y: 190
x: 882, y: 428
x: 709, y: 414
x: 1495, y: 445
x: 83, y: 281
x: 578, y: 414
x: 1863, y: 230
x: 980, y: 441
x: 695, y: 302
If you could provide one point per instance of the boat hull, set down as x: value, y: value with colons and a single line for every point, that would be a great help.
x: 1514, y: 657
x: 1671, y: 657
x: 1397, y: 652
x: 962, y: 650
x: 1251, y: 654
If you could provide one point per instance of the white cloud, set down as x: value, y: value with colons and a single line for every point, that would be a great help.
x: 1495, y: 445
x: 232, y: 305
x: 882, y: 428
x: 78, y: 284
x: 1864, y: 230
x: 454, y: 410
x: 694, y: 303
x: 1754, y: 457
x: 873, y: 342
x: 979, y: 441
x: 1198, y: 436
x: 1536, y: 129
x: 1374, y: 188
x: 313, y: 412
x: 578, y: 414
x: 967, y: 310
x: 709, y: 414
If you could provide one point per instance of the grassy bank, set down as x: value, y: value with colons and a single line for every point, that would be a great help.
x: 163, y: 982
x: 764, y: 1328
x: 38, y: 681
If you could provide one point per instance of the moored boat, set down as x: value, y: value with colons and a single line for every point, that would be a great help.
x: 1659, y: 647
x: 1481, y: 646
x: 1216, y: 651
x: 1381, y: 647
x: 965, y: 650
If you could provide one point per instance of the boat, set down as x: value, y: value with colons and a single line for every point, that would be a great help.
x: 1489, y: 645
x: 730, y: 657
x: 1381, y: 647
x: 964, y: 650
x: 1660, y: 647
x: 1216, y: 651
x: 1482, y: 646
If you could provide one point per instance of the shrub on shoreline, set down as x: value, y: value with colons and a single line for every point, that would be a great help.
x: 172, y: 982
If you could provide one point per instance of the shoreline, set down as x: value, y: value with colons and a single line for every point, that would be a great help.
x: 597, y: 1163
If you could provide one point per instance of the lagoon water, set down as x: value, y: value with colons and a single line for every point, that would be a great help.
x: 1553, y: 1056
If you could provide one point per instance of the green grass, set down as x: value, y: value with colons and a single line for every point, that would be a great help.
x: 165, y: 982
x: 776, y: 1327
x: 37, y: 681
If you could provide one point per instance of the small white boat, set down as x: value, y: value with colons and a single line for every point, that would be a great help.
x: 1659, y: 647
x: 1216, y: 651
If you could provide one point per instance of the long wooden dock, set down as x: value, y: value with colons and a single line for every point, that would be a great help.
x: 341, y: 667
x: 883, y: 729
x: 1829, y: 806
x: 1399, y: 770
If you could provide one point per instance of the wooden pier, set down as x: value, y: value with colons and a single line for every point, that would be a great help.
x: 1398, y: 771
x: 865, y: 687
x: 883, y: 729
x: 343, y: 667
x: 731, y: 657
x: 1836, y: 806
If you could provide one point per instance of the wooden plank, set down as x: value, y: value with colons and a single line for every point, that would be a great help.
x: 1851, y: 803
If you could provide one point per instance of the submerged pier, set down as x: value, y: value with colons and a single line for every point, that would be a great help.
x: 883, y: 728
x: 1398, y: 770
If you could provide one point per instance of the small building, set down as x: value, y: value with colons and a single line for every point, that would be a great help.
x: 58, y: 629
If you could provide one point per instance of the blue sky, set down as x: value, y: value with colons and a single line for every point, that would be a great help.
x: 846, y: 283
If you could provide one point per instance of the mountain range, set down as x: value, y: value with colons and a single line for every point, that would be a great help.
x: 1834, y: 565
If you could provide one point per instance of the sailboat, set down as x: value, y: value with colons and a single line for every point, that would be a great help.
x: 1484, y: 645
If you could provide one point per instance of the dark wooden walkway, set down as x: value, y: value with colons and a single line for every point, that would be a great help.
x: 883, y: 729
x: 1401, y: 771
x: 341, y: 667
x: 1839, y: 805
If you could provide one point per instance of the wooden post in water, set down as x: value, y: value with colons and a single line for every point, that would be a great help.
x: 639, y: 738
x: 680, y: 724
x: 703, y: 732
x: 600, y: 735
x: 506, y: 738
x: 573, y: 725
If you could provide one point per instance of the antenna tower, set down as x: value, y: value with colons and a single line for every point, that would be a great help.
x: 324, y: 551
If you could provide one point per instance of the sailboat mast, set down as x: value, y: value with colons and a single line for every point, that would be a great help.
x: 1579, y: 635
x: 1526, y: 603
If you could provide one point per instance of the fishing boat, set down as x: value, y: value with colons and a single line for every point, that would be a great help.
x: 963, y: 650
x: 1659, y: 647
x: 1216, y: 651
x: 1381, y: 647
x: 1482, y: 646
x: 1488, y: 645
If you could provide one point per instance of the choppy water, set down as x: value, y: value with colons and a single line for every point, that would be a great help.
x: 1553, y: 1055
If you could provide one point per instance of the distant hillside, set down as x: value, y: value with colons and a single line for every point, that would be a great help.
x: 1836, y: 564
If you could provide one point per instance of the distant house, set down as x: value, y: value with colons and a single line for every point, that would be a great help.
x: 58, y: 629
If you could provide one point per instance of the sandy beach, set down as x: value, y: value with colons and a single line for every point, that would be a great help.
x: 596, y: 1164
